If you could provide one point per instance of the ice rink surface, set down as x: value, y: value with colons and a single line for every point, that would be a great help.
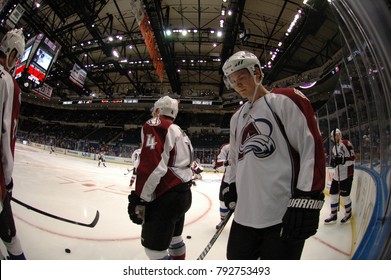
x: 76, y: 189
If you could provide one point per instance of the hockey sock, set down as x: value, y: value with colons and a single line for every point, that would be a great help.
x: 132, y: 180
x: 347, y: 202
x: 177, y: 248
x: 157, y: 255
x: 223, y: 210
x: 16, y: 257
x: 334, y: 203
x: 166, y: 258
x: 14, y: 249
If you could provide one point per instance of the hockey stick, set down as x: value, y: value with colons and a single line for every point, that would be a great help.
x: 91, y: 225
x: 215, y: 236
x: 339, y: 180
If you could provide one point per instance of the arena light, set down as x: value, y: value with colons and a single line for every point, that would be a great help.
x: 273, y: 54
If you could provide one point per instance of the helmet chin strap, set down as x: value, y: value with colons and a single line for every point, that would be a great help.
x: 255, y: 90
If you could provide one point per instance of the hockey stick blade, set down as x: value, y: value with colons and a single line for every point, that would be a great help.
x: 91, y: 225
x: 215, y: 236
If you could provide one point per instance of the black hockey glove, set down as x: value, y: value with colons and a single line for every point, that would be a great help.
x: 226, y: 163
x: 10, y: 186
x: 136, y: 208
x: 301, y: 219
x: 230, y: 196
x: 339, y: 160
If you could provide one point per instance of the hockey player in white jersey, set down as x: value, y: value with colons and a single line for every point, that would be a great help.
x: 277, y: 167
x: 52, y: 150
x: 343, y: 157
x: 101, y: 159
x: 197, y: 170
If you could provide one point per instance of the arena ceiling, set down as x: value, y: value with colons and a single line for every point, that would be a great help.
x: 104, y: 37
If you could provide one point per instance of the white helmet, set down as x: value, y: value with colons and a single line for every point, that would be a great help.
x: 167, y: 105
x: 337, y: 131
x: 14, y: 39
x: 238, y: 61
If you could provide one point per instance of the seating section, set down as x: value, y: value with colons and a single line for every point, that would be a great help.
x: 115, y: 131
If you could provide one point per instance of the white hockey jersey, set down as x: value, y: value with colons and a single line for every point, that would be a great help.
x: 344, y: 149
x: 275, y: 148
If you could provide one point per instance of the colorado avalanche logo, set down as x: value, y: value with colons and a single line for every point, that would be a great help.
x: 256, y: 139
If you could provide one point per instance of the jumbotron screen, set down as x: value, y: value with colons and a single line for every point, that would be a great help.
x: 39, y: 55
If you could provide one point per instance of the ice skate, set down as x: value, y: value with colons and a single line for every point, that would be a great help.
x: 346, y: 218
x: 331, y: 220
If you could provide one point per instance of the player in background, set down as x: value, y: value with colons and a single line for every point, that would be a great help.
x: 197, y: 170
x: 342, y: 160
x: 136, y: 162
x: 278, y: 166
x: 214, y: 166
x: 11, y: 49
x: 101, y: 159
x: 223, y: 160
x: 52, y: 150
x: 162, y: 195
